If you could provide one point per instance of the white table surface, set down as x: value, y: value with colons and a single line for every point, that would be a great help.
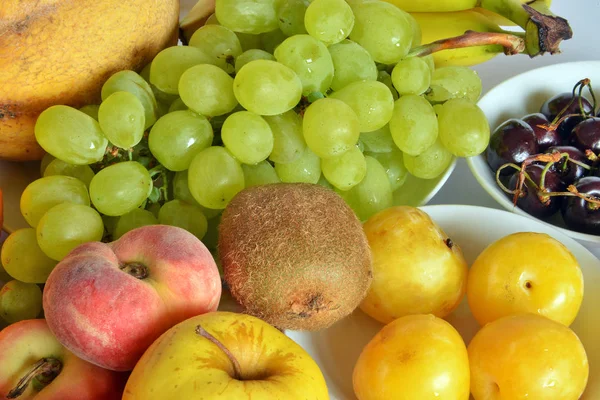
x: 584, y: 18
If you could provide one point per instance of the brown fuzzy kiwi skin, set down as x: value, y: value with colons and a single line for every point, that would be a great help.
x: 294, y: 255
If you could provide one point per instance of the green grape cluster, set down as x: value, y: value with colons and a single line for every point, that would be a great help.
x: 320, y: 91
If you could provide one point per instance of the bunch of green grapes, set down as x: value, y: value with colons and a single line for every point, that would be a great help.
x: 322, y: 92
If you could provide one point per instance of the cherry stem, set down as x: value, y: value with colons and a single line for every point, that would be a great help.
x: 591, y: 155
x: 560, y: 117
x: 573, y: 192
x: 237, y: 374
x: 45, y: 370
x: 504, y: 188
x: 512, y: 44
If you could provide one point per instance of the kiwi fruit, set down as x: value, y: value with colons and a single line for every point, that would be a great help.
x: 294, y: 255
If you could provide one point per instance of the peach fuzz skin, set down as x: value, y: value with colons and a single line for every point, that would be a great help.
x: 109, y: 317
x: 24, y: 343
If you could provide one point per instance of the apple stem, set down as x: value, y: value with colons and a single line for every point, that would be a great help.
x: 135, y: 269
x: 236, y: 365
x: 45, y: 370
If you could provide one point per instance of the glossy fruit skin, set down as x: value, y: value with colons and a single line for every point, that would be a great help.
x: 414, y: 357
x: 553, y: 106
x: 586, y: 135
x: 569, y: 172
x: 529, y: 200
x: 416, y: 267
x: 525, y: 272
x: 527, y: 356
x: 512, y: 142
x: 545, y: 138
x: 579, y: 214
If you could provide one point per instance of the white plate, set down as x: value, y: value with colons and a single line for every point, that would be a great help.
x: 521, y: 95
x: 473, y: 229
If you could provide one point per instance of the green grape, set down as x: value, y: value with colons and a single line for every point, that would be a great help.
x: 464, y: 129
x: 393, y: 163
x: 207, y: 90
x: 411, y: 76
x: 288, y: 140
x: 215, y: 177
x: 379, y: 141
x: 211, y: 238
x: 385, y: 78
x: 177, y: 137
x: 66, y: 226
x: 44, y: 193
x: 132, y: 220
x: 414, y: 126
x: 430, y: 164
x: 220, y: 43
x: 121, y: 117
x: 247, y: 136
x: 372, y: 102
x: 329, y: 21
x: 82, y: 172
x: 351, y: 63
x: 330, y: 127
x: 259, y: 174
x: 46, y: 160
x: 430, y: 62
x: 184, y: 215
x: 417, y: 35
x: 310, y: 60
x: 360, y: 145
x: 168, y: 66
x: 383, y: 30
x: 120, y: 188
x: 247, y: 16
x: 23, y: 259
x: 181, y: 191
x: 372, y: 194
x: 251, y: 55
x: 70, y: 135
x: 270, y: 40
x: 20, y: 301
x: 347, y: 170
x: 325, y: 183
x: 454, y: 82
x: 249, y: 41
x: 130, y: 81
x: 212, y: 20
x: 305, y: 169
x: 110, y: 223
x: 178, y: 105
x: 91, y: 110
x: 267, y: 87
x: 290, y: 16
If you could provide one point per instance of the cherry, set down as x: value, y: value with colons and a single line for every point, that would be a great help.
x: 555, y: 105
x: 545, y: 138
x: 511, y: 142
x: 531, y: 200
x: 568, y: 171
x: 582, y: 215
x: 586, y: 135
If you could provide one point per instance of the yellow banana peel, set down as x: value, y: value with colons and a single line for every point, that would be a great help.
x: 441, y: 5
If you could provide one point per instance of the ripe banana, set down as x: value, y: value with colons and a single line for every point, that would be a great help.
x: 437, y: 26
x: 441, y: 5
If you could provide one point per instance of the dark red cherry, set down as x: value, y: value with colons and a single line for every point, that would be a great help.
x: 556, y: 104
x: 586, y: 135
x: 530, y: 200
x: 545, y: 138
x: 511, y: 142
x: 581, y: 215
x: 568, y: 171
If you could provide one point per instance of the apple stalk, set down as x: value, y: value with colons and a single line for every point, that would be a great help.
x: 237, y: 371
x: 42, y: 374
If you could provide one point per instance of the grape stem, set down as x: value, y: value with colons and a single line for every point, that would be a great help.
x: 160, y: 180
x: 511, y: 43
x: 44, y: 371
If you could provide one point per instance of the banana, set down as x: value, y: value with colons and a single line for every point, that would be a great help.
x: 442, y: 25
x: 442, y: 5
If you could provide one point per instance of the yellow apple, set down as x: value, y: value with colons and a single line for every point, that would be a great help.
x: 225, y: 355
x: 525, y: 272
x: 417, y: 269
x: 417, y: 357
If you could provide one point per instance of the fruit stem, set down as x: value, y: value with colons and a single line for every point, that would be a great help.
x: 560, y: 117
x: 135, y: 269
x: 512, y: 44
x: 504, y: 188
x: 594, y: 203
x: 44, y: 371
x: 237, y: 371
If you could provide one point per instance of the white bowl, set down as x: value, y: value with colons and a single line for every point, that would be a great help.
x: 473, y: 228
x: 521, y: 95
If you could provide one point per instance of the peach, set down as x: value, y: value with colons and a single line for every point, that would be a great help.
x: 107, y: 303
x: 29, y: 349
